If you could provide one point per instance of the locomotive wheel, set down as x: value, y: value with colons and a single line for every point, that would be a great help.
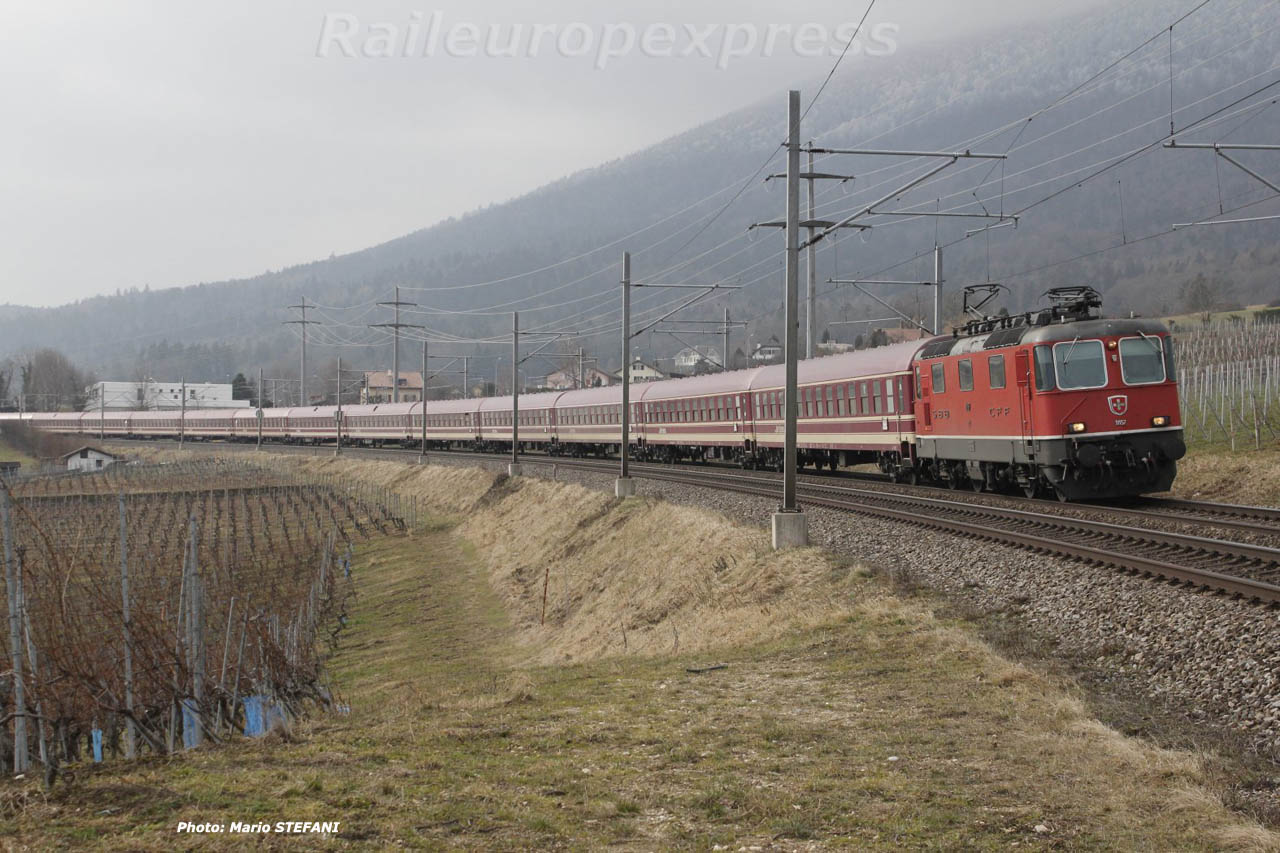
x: 1032, y: 489
x: 978, y: 485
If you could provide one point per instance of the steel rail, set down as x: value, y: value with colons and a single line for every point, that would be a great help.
x: 976, y: 521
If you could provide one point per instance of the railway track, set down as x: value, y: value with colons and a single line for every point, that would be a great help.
x: 1242, y: 569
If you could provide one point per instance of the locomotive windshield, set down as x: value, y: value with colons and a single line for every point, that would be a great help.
x: 1080, y: 364
x: 1141, y: 360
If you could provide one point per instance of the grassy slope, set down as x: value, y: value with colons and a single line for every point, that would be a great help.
x: 10, y: 454
x: 454, y: 741
x: 1217, y: 474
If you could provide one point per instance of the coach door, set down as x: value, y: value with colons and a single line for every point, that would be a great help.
x: 745, y: 419
x: 1022, y: 367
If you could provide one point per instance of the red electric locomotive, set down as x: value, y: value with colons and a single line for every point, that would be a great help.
x: 1059, y: 401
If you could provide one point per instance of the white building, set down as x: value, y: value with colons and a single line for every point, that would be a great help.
x: 767, y: 353
x: 378, y: 387
x: 644, y: 372
x: 686, y: 361
x: 150, y: 394
x: 89, y: 459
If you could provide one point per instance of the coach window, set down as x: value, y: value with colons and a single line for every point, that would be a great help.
x: 965, y: 370
x: 939, y: 377
x: 840, y: 400
x: 821, y: 409
x: 877, y: 395
x: 995, y: 371
x: 1080, y: 364
x: 888, y: 395
x: 1141, y: 360
x: 831, y: 406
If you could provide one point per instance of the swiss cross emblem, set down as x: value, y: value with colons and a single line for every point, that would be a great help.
x: 1118, y: 404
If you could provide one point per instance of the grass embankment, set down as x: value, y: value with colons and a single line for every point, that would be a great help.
x: 860, y: 720
x: 9, y: 453
x: 1217, y: 474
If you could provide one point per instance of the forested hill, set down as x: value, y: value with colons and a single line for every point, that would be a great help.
x: 935, y: 97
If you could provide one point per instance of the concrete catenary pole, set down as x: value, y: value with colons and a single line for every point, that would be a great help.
x: 513, y: 470
x: 790, y: 527
x: 625, y: 486
x: 182, y: 419
x: 258, y: 413
x: 937, y: 290
x: 422, y: 449
x: 337, y: 417
x: 395, y: 326
x: 811, y: 292
x: 395, y: 351
x: 724, y: 356
x: 302, y: 367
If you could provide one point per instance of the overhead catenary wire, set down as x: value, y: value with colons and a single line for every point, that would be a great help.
x: 767, y: 260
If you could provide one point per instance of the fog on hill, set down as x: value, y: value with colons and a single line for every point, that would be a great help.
x: 1112, y: 231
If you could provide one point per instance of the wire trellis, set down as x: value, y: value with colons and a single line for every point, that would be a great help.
x: 151, y: 608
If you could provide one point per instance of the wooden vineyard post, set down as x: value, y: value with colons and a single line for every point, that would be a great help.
x: 21, y: 758
x: 31, y: 659
x: 130, y: 732
x: 195, y: 636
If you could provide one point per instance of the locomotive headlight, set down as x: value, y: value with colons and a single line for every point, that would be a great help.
x: 1160, y: 420
x: 1076, y: 427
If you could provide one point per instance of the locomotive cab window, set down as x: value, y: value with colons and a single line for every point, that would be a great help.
x: 1080, y: 364
x: 1044, y: 369
x: 995, y: 371
x: 964, y: 368
x: 939, y: 378
x: 1169, y: 371
x: 1141, y: 360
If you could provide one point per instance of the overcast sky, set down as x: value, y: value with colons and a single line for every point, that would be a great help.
x: 166, y: 143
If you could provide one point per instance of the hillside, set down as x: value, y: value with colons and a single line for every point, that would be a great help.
x: 938, y: 97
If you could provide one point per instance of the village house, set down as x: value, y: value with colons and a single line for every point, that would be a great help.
x: 377, y: 387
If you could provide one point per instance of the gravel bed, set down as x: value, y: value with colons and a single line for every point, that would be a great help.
x: 1211, y: 659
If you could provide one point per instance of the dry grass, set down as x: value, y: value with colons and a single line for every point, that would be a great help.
x: 622, y: 577
x: 858, y: 720
x: 1250, y: 477
x: 10, y: 453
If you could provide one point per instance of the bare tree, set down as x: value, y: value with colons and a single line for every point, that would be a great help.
x: 51, y: 382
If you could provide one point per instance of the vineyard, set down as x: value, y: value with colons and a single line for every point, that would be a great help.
x: 1229, y: 382
x: 152, y: 608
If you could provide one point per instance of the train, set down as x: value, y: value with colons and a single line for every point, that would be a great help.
x: 1054, y: 402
